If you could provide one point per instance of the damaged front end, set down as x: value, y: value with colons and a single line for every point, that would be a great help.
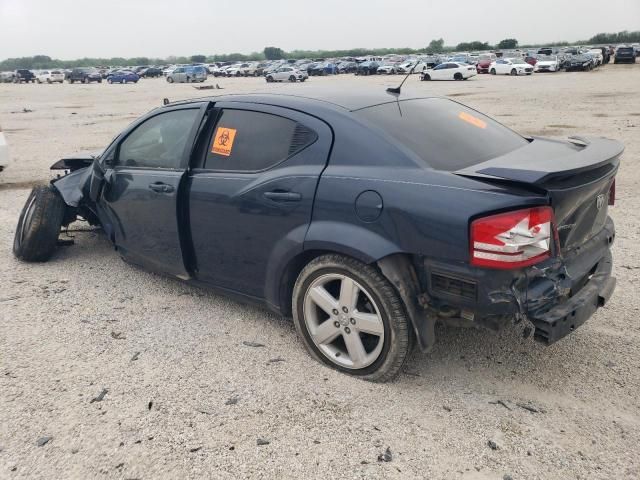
x: 74, y: 186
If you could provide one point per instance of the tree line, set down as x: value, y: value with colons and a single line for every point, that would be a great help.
x: 274, y: 53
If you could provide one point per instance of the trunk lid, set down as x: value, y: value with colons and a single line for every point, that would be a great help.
x: 577, y: 176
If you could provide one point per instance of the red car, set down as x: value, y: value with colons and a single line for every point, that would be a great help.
x: 484, y: 62
x: 531, y: 60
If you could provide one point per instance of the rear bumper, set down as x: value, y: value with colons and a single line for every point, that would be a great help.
x: 566, y: 317
x: 557, y: 295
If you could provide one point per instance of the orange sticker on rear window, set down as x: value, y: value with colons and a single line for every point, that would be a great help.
x: 476, y: 122
x: 223, y: 141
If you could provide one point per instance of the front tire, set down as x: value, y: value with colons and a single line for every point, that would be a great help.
x: 39, y: 225
x: 292, y: 79
x: 493, y: 71
x: 513, y: 72
x: 351, y: 318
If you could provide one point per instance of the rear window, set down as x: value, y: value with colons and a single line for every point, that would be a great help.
x: 445, y: 135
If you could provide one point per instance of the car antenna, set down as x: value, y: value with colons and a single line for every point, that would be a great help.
x: 165, y: 101
x: 396, y: 90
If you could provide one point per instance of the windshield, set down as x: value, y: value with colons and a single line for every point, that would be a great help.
x: 444, y: 134
x: 517, y: 60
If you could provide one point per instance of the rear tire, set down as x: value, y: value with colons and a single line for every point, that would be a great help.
x: 426, y: 77
x: 457, y: 76
x: 39, y: 225
x: 372, y: 338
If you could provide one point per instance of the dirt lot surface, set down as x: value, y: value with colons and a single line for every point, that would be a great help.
x: 187, y: 398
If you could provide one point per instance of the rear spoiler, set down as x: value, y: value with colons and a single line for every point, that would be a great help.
x: 544, y: 159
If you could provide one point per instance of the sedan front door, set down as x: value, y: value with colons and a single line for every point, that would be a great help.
x: 140, y: 205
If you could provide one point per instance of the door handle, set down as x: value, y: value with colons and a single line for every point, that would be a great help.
x: 161, y: 187
x: 279, y: 196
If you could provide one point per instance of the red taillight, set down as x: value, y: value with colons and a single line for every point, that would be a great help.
x: 512, y: 239
x: 612, y: 193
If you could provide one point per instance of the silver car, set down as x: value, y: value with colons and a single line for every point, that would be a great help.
x: 187, y: 74
x: 284, y: 74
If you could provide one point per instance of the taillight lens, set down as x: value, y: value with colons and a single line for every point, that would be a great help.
x: 612, y: 193
x: 512, y: 239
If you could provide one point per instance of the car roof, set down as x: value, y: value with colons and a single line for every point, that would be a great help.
x: 343, y: 98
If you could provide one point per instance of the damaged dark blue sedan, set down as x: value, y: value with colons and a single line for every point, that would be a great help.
x: 367, y: 217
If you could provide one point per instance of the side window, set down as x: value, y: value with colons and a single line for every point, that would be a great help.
x: 248, y: 141
x: 159, y: 142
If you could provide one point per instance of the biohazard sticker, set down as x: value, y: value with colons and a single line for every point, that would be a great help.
x: 223, y: 141
x: 476, y: 122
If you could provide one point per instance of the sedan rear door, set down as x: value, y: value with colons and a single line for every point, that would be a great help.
x: 251, y: 196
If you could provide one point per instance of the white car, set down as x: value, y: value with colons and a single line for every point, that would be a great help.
x: 4, y: 151
x: 597, y: 55
x: 547, y: 63
x: 449, y: 71
x: 284, y: 74
x: 50, y: 76
x: 387, y: 68
x: 510, y: 66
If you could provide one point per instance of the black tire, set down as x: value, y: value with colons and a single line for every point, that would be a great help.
x: 513, y: 72
x: 39, y: 225
x: 426, y: 77
x: 492, y: 71
x: 169, y: 79
x: 457, y: 76
x: 292, y: 79
x: 269, y: 79
x: 397, y: 333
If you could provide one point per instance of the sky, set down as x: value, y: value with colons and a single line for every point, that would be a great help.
x: 69, y: 29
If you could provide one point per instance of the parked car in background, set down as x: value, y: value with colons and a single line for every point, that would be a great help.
x: 187, y: 74
x: 367, y: 68
x: 4, y: 151
x: 367, y: 219
x: 287, y: 74
x: 50, y: 76
x: 85, y: 75
x: 449, y: 71
x: 23, y: 76
x: 484, y: 62
x: 123, y: 76
x: 531, y: 60
x: 597, y: 55
x: 510, y: 66
x: 322, y: 68
x: 347, y: 67
x: 547, y: 63
x: 387, y: 68
x: 579, y: 62
x: 151, y: 72
x: 625, y: 55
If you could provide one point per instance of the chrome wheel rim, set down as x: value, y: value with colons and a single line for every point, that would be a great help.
x: 343, y: 321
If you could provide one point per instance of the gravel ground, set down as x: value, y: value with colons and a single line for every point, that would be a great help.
x: 132, y: 375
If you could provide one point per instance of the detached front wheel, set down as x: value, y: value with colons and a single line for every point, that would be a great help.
x: 351, y: 318
x: 39, y: 225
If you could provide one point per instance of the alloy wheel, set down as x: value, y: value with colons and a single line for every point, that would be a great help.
x: 343, y: 321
